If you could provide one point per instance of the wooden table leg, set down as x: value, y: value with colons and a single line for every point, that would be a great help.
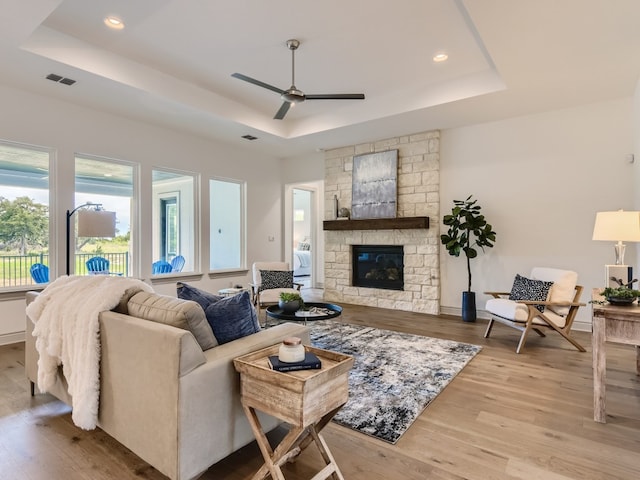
x: 292, y: 445
x: 273, y: 459
x: 599, y: 370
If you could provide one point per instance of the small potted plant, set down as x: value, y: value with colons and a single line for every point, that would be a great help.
x: 290, y: 302
x: 621, y: 295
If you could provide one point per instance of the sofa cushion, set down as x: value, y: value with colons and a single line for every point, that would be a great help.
x: 202, y: 297
x: 184, y: 314
x: 276, y: 279
x: 232, y: 318
x: 527, y: 289
x: 122, y: 304
x: 564, y: 285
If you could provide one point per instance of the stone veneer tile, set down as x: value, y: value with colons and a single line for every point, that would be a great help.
x: 418, y: 195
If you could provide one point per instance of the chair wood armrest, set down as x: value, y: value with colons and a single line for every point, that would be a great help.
x: 551, y: 304
x: 297, y: 285
x: 497, y: 294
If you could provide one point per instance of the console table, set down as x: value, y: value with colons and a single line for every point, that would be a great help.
x: 306, y: 399
x: 611, y: 324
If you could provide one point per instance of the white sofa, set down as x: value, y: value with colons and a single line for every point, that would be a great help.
x: 174, y: 405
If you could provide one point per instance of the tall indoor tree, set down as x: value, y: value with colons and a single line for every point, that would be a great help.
x: 468, y: 230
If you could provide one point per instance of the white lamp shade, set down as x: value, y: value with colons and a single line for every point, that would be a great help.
x: 617, y: 226
x: 96, y: 223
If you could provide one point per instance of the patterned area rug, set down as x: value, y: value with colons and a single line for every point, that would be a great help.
x: 395, y: 375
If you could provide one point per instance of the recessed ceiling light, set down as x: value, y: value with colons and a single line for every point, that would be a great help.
x: 114, y: 22
x: 440, y: 57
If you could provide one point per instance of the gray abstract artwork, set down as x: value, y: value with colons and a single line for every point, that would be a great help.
x: 374, y: 185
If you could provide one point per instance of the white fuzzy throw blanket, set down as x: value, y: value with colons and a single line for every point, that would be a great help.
x: 67, y: 333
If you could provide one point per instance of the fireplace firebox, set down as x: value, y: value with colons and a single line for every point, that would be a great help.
x: 378, y: 266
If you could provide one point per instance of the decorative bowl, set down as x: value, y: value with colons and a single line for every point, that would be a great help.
x: 621, y: 301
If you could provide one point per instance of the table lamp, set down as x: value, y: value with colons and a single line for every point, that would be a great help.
x: 619, y: 226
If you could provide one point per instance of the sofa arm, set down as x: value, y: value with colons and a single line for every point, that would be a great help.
x: 140, y: 370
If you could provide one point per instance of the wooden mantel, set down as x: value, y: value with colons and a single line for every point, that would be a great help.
x: 377, y: 223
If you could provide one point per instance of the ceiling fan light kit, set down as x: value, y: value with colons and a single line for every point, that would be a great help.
x: 292, y: 95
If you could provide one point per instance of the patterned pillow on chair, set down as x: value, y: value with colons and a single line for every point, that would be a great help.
x: 526, y: 289
x: 276, y: 279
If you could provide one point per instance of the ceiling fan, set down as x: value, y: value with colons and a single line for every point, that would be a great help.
x: 292, y: 95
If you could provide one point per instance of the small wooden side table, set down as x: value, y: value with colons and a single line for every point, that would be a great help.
x: 306, y: 399
x: 610, y: 324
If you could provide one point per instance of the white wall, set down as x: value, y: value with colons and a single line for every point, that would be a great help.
x: 71, y: 129
x: 540, y: 180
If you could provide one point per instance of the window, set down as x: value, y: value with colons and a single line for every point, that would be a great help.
x: 109, y: 183
x: 24, y: 213
x: 227, y: 235
x: 174, y: 230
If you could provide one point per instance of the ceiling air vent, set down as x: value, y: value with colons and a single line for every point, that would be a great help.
x: 249, y: 137
x: 60, y: 79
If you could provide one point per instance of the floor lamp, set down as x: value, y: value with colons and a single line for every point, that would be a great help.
x: 93, y: 221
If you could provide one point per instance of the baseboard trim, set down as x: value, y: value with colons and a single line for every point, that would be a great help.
x: 9, y: 338
x: 457, y: 312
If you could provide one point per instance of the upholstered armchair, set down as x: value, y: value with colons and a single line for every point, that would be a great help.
x: 270, y: 279
x: 549, y: 299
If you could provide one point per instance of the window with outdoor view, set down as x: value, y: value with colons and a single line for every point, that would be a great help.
x: 227, y: 234
x: 174, y: 228
x: 109, y: 183
x: 24, y: 215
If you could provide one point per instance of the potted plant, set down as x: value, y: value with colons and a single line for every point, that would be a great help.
x: 468, y: 230
x: 290, y: 302
x: 620, y: 295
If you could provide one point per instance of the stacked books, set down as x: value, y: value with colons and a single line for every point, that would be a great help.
x: 310, y: 362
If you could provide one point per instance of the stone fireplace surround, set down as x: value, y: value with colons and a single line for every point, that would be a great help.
x: 418, y: 195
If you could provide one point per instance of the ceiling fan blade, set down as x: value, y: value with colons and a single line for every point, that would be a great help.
x: 282, y: 111
x: 240, y: 76
x: 336, y: 96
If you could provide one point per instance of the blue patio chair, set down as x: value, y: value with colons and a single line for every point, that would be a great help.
x: 39, y: 273
x: 177, y: 264
x: 160, y: 267
x: 98, y: 266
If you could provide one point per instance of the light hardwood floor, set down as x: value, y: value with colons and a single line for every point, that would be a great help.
x: 505, y: 416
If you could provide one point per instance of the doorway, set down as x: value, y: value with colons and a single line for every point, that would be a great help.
x: 303, y: 239
x: 301, y: 236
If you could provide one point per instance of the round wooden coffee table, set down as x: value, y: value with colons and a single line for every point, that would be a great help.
x: 312, y: 311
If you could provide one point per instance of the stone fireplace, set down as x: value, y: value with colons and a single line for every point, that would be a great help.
x: 418, y: 197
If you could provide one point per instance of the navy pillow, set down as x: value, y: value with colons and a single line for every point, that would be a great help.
x: 527, y: 289
x: 232, y: 318
x: 204, y: 298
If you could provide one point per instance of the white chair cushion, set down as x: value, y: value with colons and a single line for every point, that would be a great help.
x: 564, y: 285
x: 518, y: 312
x: 508, y: 309
x: 273, y: 296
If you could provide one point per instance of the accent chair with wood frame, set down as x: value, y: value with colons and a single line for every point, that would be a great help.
x: 263, y: 297
x: 559, y: 309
